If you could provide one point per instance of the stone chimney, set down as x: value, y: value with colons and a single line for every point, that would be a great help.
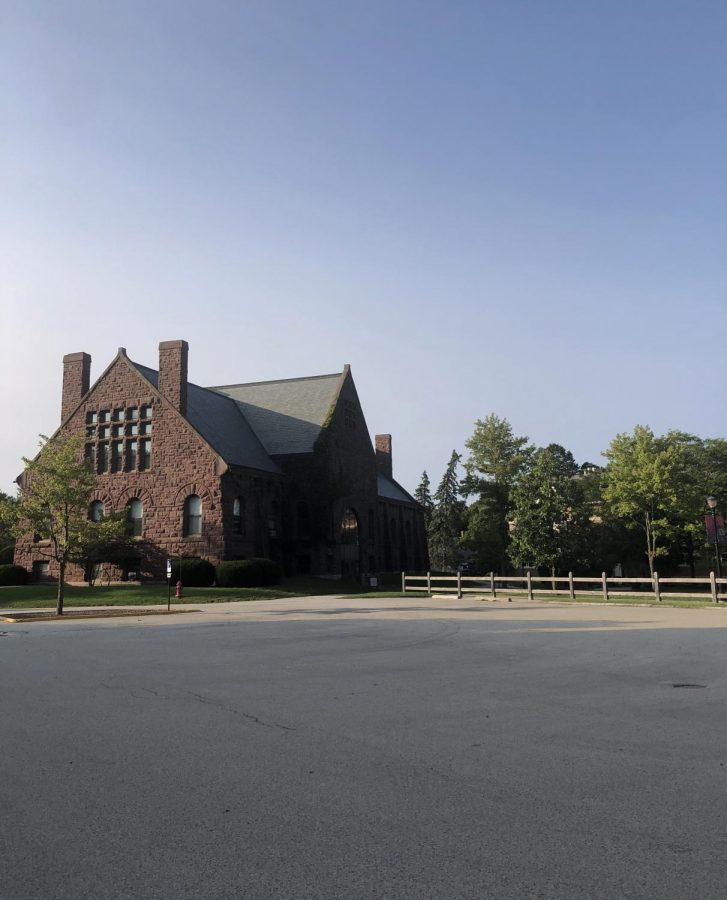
x: 76, y: 381
x: 383, y: 454
x: 173, y: 373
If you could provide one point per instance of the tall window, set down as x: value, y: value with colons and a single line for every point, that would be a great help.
x: 131, y: 450
x: 145, y: 455
x: 350, y: 560
x: 238, y: 513
x: 95, y: 511
x: 349, y: 529
x: 103, y: 458
x: 134, y: 516
x: 117, y: 456
x: 192, y: 516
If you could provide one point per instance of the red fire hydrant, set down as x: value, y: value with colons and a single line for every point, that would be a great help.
x: 178, y: 593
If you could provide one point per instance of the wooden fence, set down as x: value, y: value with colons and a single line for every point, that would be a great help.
x: 528, y: 585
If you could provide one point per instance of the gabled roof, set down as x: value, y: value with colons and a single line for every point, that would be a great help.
x: 219, y: 421
x: 286, y: 415
x: 389, y: 489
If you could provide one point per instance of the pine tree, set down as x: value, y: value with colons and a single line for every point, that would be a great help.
x: 423, y: 496
x: 446, y: 519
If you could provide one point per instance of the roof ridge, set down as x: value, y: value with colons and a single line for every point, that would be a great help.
x: 216, y: 387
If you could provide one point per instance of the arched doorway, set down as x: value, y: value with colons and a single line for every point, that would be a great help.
x: 350, y: 553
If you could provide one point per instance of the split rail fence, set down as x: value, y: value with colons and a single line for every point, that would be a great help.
x: 572, y: 586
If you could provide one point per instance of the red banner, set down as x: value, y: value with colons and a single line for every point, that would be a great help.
x: 715, y: 529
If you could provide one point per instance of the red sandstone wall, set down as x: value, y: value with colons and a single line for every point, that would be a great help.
x: 182, y: 464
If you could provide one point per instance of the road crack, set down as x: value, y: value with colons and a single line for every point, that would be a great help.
x: 239, y: 712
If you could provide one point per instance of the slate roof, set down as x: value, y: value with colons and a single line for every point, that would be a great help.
x: 392, y: 490
x: 248, y: 423
x: 219, y: 420
x: 286, y: 415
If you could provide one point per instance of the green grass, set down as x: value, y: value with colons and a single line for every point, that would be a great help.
x: 633, y: 599
x: 41, y: 596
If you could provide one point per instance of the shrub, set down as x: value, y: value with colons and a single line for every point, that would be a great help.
x: 13, y: 575
x: 195, y: 572
x: 6, y: 554
x: 390, y: 580
x: 248, y: 573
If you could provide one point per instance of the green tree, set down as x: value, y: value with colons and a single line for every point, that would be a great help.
x: 7, y: 520
x: 446, y: 519
x: 105, y: 541
x: 482, y: 537
x: 423, y: 496
x: 550, y: 513
x: 55, y: 490
x: 642, y: 489
x: 496, y: 459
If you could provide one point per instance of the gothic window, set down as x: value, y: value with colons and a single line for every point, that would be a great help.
x: 349, y: 529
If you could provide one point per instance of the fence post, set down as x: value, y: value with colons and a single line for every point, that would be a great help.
x: 571, y: 586
x: 604, y: 582
x: 492, y: 586
x: 657, y: 589
x: 530, y: 585
x: 403, y: 582
x: 459, y: 585
x: 713, y: 586
x: 429, y: 583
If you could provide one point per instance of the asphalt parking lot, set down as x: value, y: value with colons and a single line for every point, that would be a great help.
x: 340, y: 748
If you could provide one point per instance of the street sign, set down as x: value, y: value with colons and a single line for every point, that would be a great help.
x: 169, y: 569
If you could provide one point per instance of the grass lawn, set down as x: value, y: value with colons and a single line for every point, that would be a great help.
x: 631, y: 599
x: 41, y: 596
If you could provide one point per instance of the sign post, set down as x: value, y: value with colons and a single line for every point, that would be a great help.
x: 169, y: 585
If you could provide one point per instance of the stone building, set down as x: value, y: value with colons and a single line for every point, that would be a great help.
x: 281, y: 469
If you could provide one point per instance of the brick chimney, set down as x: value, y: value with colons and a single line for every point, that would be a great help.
x: 76, y: 381
x: 383, y: 454
x: 173, y: 373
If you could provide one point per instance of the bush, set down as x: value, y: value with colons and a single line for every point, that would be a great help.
x: 195, y: 572
x: 6, y: 554
x: 390, y: 580
x: 13, y: 575
x: 248, y: 573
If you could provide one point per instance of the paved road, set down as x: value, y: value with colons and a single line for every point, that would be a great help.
x: 331, y: 748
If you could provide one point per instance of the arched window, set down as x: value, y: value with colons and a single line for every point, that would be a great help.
x: 350, y: 558
x: 134, y: 516
x: 349, y: 529
x: 238, y: 516
x: 96, y: 511
x: 192, y: 516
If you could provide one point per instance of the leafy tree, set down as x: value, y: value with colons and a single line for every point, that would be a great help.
x: 55, y: 491
x: 7, y: 519
x: 482, y: 537
x: 642, y: 486
x: 446, y: 519
x: 551, y: 516
x: 103, y: 541
x: 496, y: 459
x: 423, y: 496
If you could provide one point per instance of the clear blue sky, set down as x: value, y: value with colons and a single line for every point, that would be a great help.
x: 510, y: 207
